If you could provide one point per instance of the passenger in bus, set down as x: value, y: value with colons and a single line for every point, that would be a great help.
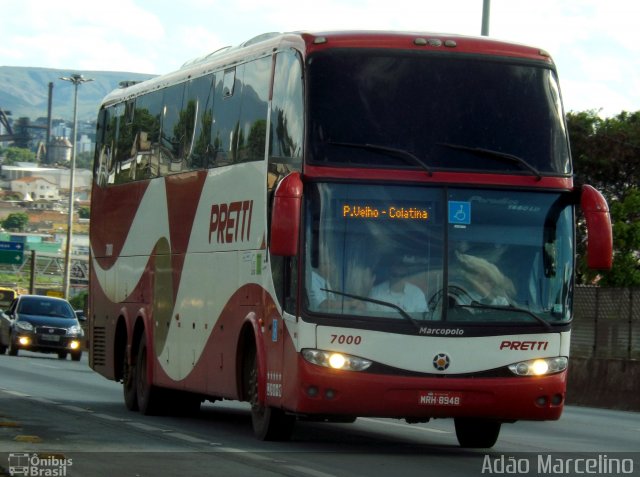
x: 317, y: 291
x: 398, y: 290
x: 480, y: 278
x: 358, y: 282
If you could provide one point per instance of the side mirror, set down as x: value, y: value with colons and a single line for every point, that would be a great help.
x: 599, y: 233
x: 285, y: 216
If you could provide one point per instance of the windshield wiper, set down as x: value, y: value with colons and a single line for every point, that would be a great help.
x: 480, y: 151
x: 481, y: 306
x: 403, y: 313
x: 401, y: 153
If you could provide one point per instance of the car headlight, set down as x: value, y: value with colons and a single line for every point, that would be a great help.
x: 540, y: 367
x: 24, y: 326
x: 334, y: 360
x: 75, y: 330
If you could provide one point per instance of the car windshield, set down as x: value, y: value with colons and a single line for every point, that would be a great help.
x: 46, y: 307
x: 407, y: 110
x: 420, y: 254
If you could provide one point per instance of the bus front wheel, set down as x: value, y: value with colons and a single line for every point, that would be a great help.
x: 269, y: 423
x: 477, y: 433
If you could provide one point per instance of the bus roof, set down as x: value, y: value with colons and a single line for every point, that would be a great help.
x: 308, y: 42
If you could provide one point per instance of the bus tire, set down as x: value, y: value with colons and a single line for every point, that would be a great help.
x: 477, y: 433
x: 129, y: 381
x: 269, y: 423
x: 149, y: 397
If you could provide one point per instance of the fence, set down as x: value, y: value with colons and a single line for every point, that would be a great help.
x: 606, y: 323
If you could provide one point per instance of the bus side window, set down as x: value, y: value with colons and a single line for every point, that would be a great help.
x: 287, y: 108
x: 252, y: 131
x: 199, y: 96
x: 102, y: 158
x: 173, y: 130
x: 223, y: 148
x: 286, y: 122
x: 122, y: 144
x: 146, y: 128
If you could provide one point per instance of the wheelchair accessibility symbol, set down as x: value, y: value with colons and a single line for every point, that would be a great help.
x: 459, y: 212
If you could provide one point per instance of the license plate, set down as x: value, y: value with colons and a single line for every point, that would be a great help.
x: 440, y: 398
x: 50, y: 338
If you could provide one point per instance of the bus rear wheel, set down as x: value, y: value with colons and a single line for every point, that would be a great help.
x: 129, y: 381
x: 150, y: 398
x: 477, y: 433
x: 269, y: 423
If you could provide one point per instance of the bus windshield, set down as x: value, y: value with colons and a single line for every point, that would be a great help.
x: 407, y: 110
x: 413, y: 254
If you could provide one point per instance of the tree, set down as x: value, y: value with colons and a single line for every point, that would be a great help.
x: 16, y: 221
x: 18, y: 154
x: 84, y: 212
x: 606, y: 154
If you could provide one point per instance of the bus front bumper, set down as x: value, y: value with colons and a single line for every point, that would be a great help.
x: 322, y: 391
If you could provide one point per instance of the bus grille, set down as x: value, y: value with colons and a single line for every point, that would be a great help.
x: 98, y: 346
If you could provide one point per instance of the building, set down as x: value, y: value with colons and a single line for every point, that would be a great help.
x: 36, y: 189
x: 60, y: 177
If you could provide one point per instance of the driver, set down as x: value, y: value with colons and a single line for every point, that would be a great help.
x: 398, y: 290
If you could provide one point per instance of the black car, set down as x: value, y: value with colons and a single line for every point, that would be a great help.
x: 41, y: 323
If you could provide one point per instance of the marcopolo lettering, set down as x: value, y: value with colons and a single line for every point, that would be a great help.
x: 230, y: 222
x: 425, y: 330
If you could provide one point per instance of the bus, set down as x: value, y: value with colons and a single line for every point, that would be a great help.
x: 336, y: 225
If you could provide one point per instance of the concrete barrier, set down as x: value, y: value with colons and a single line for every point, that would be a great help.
x: 604, y: 382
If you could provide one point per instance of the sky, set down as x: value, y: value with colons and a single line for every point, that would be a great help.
x: 594, y: 43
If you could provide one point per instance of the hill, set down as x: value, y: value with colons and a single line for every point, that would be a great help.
x: 24, y: 91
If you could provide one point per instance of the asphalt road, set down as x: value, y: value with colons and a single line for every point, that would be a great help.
x: 60, y: 418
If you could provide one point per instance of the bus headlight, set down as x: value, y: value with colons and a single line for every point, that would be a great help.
x: 540, y: 367
x: 335, y: 360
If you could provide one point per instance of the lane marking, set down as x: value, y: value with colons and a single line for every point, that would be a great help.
x: 405, y: 426
x: 146, y: 427
x: 187, y: 438
x: 43, y: 400
x: 10, y: 424
x: 111, y: 418
x: 74, y: 408
x: 29, y: 439
x: 307, y: 471
x: 16, y: 393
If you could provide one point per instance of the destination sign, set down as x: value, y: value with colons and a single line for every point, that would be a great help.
x: 362, y: 211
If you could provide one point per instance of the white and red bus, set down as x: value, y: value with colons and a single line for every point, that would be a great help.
x: 341, y: 224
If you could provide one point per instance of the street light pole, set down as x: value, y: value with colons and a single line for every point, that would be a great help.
x: 76, y: 79
x: 486, y: 12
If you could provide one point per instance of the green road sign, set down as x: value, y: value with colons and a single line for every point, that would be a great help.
x: 11, y: 253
